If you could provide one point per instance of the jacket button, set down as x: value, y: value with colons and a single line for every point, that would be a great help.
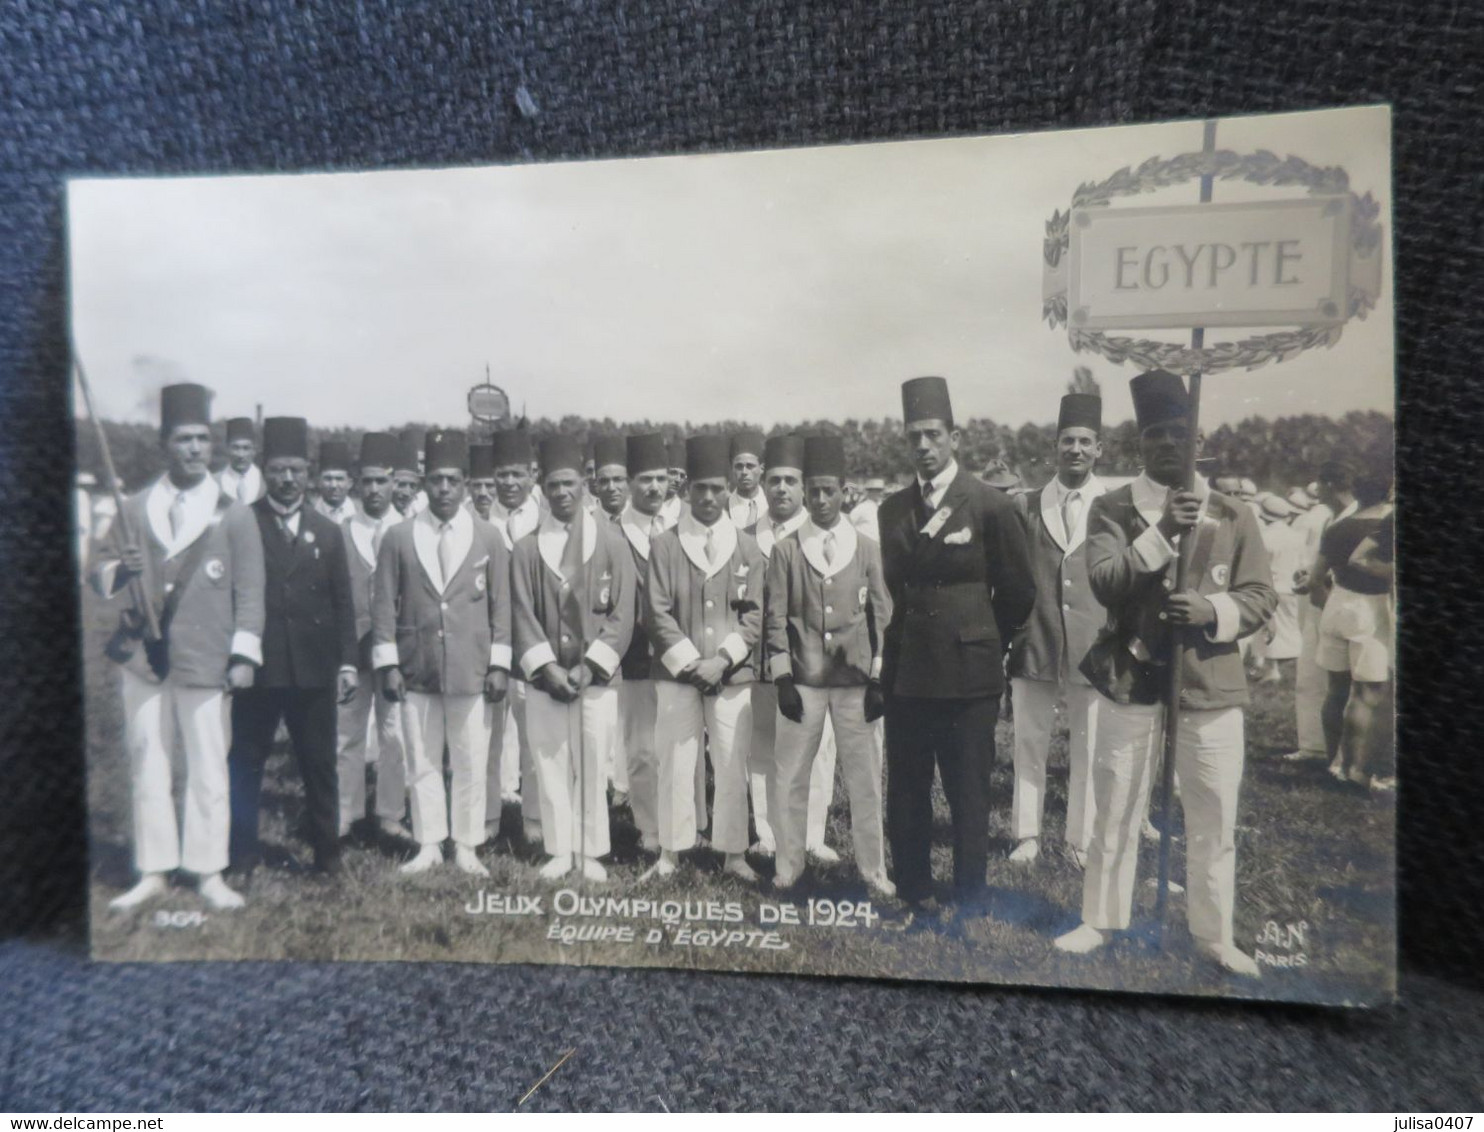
x: 829, y: 609
x: 710, y: 604
x: 1067, y: 582
x: 709, y: 630
x: 1068, y: 608
x: 443, y: 605
x: 440, y: 634
x: 829, y: 636
x: 566, y: 638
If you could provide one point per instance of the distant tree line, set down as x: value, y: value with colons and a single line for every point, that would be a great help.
x: 1275, y: 453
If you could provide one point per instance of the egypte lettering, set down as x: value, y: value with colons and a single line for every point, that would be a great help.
x: 1205, y: 266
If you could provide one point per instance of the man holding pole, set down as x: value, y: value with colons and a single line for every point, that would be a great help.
x: 572, y: 588
x: 191, y: 557
x: 1133, y: 542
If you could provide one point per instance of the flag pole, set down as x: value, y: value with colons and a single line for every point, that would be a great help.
x: 1182, y: 581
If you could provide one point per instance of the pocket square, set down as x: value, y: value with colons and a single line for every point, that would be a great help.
x: 958, y: 538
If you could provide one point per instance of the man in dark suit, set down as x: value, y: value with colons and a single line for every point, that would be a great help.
x: 959, y: 572
x: 309, y: 652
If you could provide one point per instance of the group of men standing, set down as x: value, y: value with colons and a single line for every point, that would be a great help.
x: 559, y: 625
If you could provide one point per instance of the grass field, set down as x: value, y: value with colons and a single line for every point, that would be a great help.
x: 1314, y: 875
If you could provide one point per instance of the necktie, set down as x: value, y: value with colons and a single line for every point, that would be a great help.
x: 283, y: 525
x: 829, y: 548
x: 376, y: 533
x: 710, y: 546
x: 1071, y: 508
x: 656, y: 528
x: 572, y: 553
x: 446, y: 564
x: 751, y: 512
x: 177, y: 515
x: 924, y: 505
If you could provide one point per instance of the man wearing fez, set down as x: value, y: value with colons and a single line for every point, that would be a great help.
x: 783, y: 486
x: 826, y: 610
x: 642, y: 521
x: 309, y: 652
x: 1045, y: 655
x: 334, y: 500
x: 704, y: 615
x: 198, y: 559
x: 957, y: 564
x: 241, y: 478
x: 364, y: 532
x: 611, y: 476
x: 408, y: 496
x: 1133, y: 537
x: 440, y: 644
x: 515, y: 513
x: 745, y: 505
x: 481, y: 497
x: 572, y: 586
x: 678, y: 492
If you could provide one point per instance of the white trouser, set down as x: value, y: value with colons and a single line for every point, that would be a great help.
x: 571, y: 744
x: 860, y: 765
x: 154, y: 716
x: 1208, y: 759
x: 1311, y: 683
x: 682, y: 717
x: 637, y: 704
x: 463, y: 722
x: 1033, y: 703
x: 354, y: 728
x: 762, y: 763
x: 509, y: 748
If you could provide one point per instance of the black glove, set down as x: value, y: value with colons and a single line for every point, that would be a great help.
x: 875, y: 701
x: 790, y: 703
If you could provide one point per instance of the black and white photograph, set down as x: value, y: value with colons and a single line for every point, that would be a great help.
x: 963, y: 559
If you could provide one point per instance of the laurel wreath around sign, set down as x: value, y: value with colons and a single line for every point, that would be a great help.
x: 1260, y: 167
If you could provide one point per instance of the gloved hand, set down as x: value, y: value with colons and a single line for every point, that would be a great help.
x: 790, y: 703
x: 875, y: 701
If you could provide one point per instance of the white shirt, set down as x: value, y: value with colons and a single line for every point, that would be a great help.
x: 1055, y: 501
x: 769, y: 532
x: 516, y: 524
x: 934, y: 489
x: 336, y: 515
x: 246, y: 487
x: 744, y: 510
x: 199, y: 501
x: 811, y: 542
x: 366, y: 533
x: 286, y: 518
x: 428, y: 530
x: 639, y: 528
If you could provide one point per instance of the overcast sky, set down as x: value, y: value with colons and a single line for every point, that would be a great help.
x: 774, y: 286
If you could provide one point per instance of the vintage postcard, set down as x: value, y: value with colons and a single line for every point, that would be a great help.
x: 963, y: 559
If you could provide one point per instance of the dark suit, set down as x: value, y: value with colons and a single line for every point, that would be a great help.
x: 958, y: 596
x: 309, y: 633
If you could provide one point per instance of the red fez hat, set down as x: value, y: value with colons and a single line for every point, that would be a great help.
x: 446, y: 448
x: 334, y: 456
x: 708, y: 457
x: 1080, y: 410
x: 784, y: 452
x: 240, y: 428
x: 926, y: 399
x: 1159, y: 397
x: 184, y: 404
x: 512, y: 446
x: 378, y: 450
x: 748, y: 442
x: 561, y: 453
x: 676, y: 454
x: 610, y: 450
x: 646, y: 453
x: 481, y: 461
x: 824, y: 456
x: 285, y: 436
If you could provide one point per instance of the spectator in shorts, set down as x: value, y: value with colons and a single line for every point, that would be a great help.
x: 1355, y: 630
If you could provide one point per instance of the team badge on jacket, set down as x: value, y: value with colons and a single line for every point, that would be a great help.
x: 1220, y: 572
x: 216, y: 570
x: 936, y: 523
x: 479, y: 582
x: 309, y: 536
x: 607, y: 587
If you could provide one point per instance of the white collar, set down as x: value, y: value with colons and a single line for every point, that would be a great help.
x: 693, y: 542
x: 769, y: 532
x: 199, y: 502
x: 1149, y: 497
x: 1051, y: 504
x: 425, y: 533
x: 811, y: 541
x: 552, y: 536
x: 365, y: 531
x: 636, y: 525
x: 934, y: 488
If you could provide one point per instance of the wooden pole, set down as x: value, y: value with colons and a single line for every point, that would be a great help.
x: 1177, y: 635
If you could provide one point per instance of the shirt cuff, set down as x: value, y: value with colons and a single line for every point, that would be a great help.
x: 536, y: 658
x: 351, y: 668
x: 601, y: 654
x: 385, y: 656
x: 500, y: 656
x: 1228, y: 619
x: 678, y: 655
x: 249, y: 646
x: 733, y: 648
x: 875, y: 668
x: 780, y: 666
x: 1153, y: 550
x: 107, y: 572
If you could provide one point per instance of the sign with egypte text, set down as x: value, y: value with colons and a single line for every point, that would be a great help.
x: 1279, y: 263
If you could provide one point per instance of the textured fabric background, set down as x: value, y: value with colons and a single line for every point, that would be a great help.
x: 215, y: 86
